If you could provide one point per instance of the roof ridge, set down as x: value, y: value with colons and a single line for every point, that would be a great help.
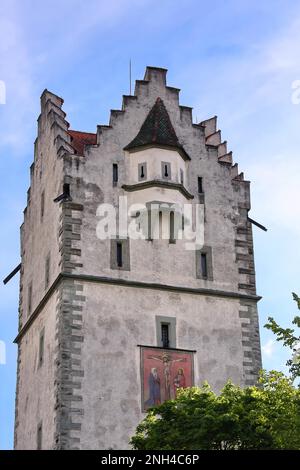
x: 82, y: 132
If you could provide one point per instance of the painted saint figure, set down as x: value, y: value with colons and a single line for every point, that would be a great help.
x: 154, y: 388
x: 179, y: 381
x: 167, y: 363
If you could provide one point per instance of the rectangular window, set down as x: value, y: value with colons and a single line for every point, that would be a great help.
x: 29, y: 298
x: 165, y: 335
x: 172, y: 227
x: 39, y: 436
x: 47, y: 271
x: 115, y: 174
x: 204, y: 265
x: 166, y: 170
x: 142, y: 169
x: 66, y: 190
x: 119, y: 255
x: 181, y: 176
x: 42, y: 204
x: 200, y: 185
x: 160, y: 225
x: 41, y: 348
x: 165, y: 331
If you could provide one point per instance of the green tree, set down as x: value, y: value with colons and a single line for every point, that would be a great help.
x: 290, y: 339
x: 262, y: 417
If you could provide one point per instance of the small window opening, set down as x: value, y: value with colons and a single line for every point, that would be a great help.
x: 29, y: 298
x: 160, y: 222
x: 181, y: 176
x: 200, y: 185
x: 166, y: 174
x: 66, y: 189
x: 142, y: 175
x: 204, y: 264
x: 172, y: 227
x: 39, y: 436
x: 165, y: 335
x: 42, y: 204
x: 119, y: 255
x: 47, y: 271
x: 41, y: 348
x: 115, y: 173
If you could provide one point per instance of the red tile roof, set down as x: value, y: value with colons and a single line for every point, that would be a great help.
x: 80, y: 139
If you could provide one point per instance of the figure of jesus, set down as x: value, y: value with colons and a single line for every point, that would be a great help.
x: 167, y: 363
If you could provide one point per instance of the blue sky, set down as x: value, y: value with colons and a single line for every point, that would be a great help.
x: 236, y: 59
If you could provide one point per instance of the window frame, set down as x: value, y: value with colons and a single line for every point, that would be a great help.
x: 207, y: 251
x: 163, y: 170
x: 115, y: 174
x: 142, y: 166
x: 171, y: 322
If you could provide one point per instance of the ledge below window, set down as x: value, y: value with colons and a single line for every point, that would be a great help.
x: 160, y: 184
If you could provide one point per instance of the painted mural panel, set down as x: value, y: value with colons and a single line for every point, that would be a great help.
x: 163, y: 372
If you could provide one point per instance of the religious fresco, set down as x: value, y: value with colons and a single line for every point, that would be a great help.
x: 163, y: 372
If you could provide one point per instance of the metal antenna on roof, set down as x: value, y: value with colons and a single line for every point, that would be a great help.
x: 130, y: 76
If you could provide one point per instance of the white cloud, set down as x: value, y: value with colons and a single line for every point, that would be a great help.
x: 283, y: 51
x: 277, y: 191
x: 268, y: 348
x: 17, y: 74
x: 35, y: 41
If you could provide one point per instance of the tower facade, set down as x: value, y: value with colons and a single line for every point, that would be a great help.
x: 113, y: 321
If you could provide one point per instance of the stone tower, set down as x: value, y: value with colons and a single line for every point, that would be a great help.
x: 110, y: 325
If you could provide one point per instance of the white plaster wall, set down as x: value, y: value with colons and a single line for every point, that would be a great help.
x: 116, y: 320
x: 93, y: 186
x: 36, y: 398
x: 40, y: 237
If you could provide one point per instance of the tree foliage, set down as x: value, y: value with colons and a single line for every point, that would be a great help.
x: 263, y: 417
x: 290, y: 339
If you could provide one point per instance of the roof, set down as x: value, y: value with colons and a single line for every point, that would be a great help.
x: 157, y: 130
x: 80, y: 139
